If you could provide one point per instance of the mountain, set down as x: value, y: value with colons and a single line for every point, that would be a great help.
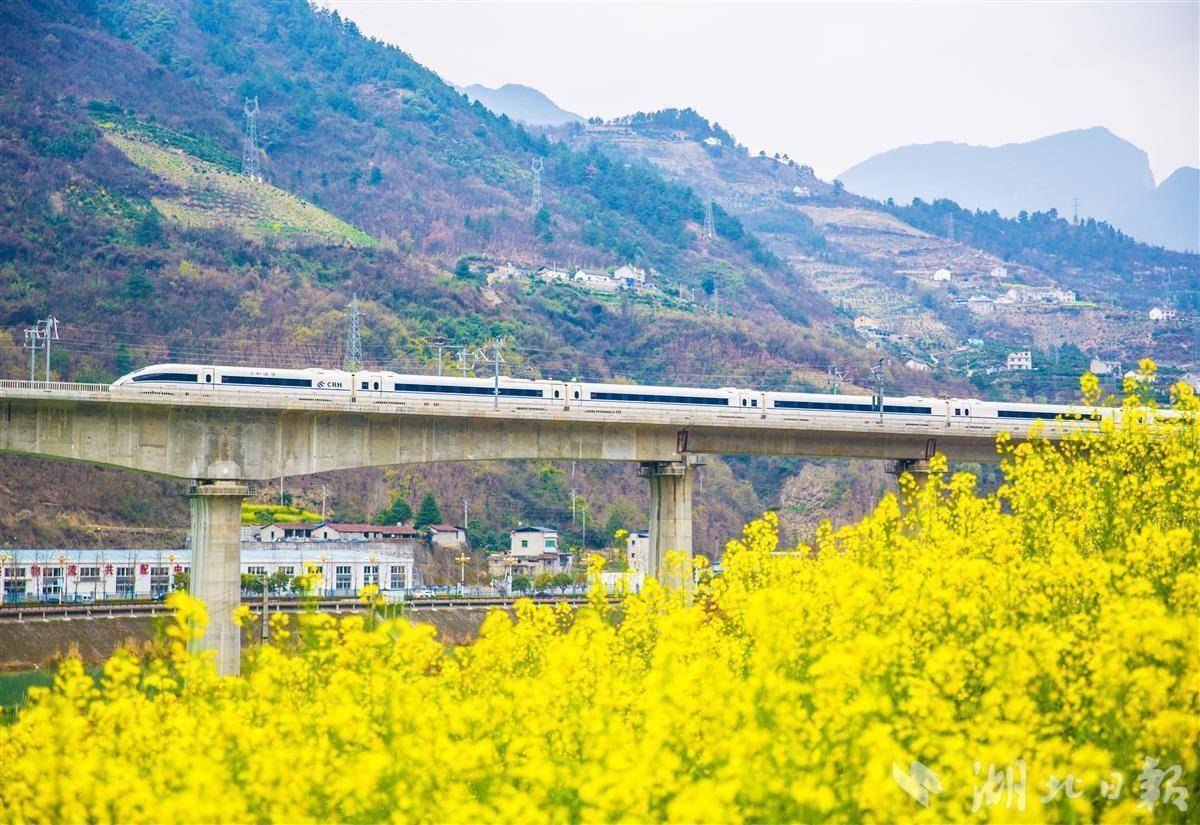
x: 1171, y: 213
x: 1110, y: 177
x: 521, y: 103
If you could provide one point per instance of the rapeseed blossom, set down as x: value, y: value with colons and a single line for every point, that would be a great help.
x: 1038, y: 649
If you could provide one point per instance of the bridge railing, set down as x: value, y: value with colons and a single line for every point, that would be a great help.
x: 51, y: 386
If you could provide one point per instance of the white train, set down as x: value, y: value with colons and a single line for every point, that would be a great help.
x: 368, y: 384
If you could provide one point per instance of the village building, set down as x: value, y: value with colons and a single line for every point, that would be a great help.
x: 551, y: 274
x: 446, y: 535
x: 1162, y: 314
x: 598, y: 281
x: 74, y: 575
x: 918, y: 366
x: 1019, y: 361
x: 628, y: 275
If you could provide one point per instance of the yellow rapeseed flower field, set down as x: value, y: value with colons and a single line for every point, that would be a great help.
x: 1028, y: 655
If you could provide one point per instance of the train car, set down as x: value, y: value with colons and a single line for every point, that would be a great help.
x: 650, y: 396
x: 193, y: 376
x: 910, y: 405
x: 465, y: 388
x: 965, y: 409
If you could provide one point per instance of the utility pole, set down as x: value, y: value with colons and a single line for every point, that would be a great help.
x: 324, y: 498
x: 38, y: 337
x: 440, y: 343
x: 497, y: 358
x: 462, y: 360
x: 585, y: 509
x: 464, y: 516
x: 878, y: 373
x: 835, y: 380
x: 266, y: 605
x: 33, y: 343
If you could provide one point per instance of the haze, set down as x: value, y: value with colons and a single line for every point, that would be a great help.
x: 833, y: 84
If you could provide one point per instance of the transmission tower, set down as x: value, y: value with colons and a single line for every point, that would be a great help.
x: 354, y: 353
x: 950, y: 228
x: 250, y: 149
x: 710, y: 223
x: 535, y: 204
x: 1075, y: 211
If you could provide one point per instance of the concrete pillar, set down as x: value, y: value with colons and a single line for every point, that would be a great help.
x: 671, y: 484
x: 918, y: 468
x: 216, y: 567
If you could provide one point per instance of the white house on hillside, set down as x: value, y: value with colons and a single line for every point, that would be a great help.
x: 598, y: 281
x: 1018, y: 361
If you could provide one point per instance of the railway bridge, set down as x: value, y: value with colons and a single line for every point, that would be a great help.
x: 220, y: 439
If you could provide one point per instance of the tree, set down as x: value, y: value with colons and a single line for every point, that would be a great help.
x: 182, y: 580
x: 138, y: 285
x: 429, y: 513
x: 251, y: 583
x: 462, y: 269
x: 376, y: 176
x: 398, y: 512
x: 123, y: 362
x: 543, y: 581
x: 562, y: 581
x: 279, y: 582
x: 521, y: 583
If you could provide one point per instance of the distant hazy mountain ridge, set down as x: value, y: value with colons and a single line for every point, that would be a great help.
x: 1110, y: 177
x: 521, y: 103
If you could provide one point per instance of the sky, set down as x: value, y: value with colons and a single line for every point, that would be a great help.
x: 833, y: 84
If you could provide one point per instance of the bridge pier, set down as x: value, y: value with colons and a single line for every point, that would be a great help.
x: 216, y: 567
x: 917, y: 468
x: 671, y: 487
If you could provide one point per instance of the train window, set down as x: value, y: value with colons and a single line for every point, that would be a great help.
x: 957, y: 411
x: 167, y: 376
x: 266, y: 381
x: 556, y: 393
x: 364, y: 385
x: 208, y: 379
x: 966, y: 411
x: 577, y: 394
x: 743, y: 402
x: 660, y: 399
x: 754, y: 402
x: 376, y: 385
x: 465, y: 389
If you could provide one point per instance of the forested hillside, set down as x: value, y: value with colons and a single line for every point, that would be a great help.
x: 125, y: 214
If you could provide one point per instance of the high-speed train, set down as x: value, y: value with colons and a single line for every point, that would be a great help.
x: 377, y: 385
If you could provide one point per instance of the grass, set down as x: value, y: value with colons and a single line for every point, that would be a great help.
x: 15, y: 685
x: 210, y: 196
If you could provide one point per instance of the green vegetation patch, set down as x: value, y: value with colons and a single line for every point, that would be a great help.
x: 211, y: 196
